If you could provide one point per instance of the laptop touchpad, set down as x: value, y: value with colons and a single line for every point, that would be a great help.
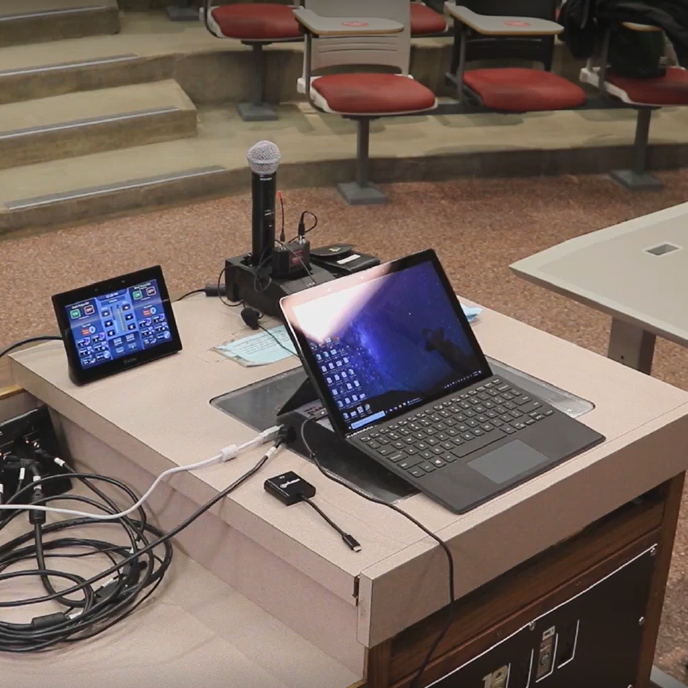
x: 508, y: 461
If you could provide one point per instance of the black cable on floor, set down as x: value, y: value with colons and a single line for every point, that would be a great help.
x: 90, y: 605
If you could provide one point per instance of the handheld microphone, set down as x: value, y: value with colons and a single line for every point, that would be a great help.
x: 263, y: 158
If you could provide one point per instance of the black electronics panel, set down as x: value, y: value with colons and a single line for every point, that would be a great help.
x: 117, y: 324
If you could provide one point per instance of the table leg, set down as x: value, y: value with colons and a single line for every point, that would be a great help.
x: 631, y: 345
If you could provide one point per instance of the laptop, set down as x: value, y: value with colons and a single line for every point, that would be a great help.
x: 404, y: 380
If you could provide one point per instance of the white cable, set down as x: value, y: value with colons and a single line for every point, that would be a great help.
x: 226, y: 454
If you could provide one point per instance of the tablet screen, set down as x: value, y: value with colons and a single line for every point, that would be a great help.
x: 117, y: 324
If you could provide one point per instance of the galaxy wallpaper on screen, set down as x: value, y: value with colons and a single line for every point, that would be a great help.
x: 401, y: 342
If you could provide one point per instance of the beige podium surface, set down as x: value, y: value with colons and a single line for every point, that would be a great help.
x: 286, y: 560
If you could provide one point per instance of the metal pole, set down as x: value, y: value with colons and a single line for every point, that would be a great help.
x: 363, y: 153
x: 604, y: 62
x: 631, y: 345
x: 642, y: 137
x: 463, y: 38
x: 258, y: 70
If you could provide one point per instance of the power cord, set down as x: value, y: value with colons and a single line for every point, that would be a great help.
x: 302, y: 231
x: 29, y: 340
x: 115, y: 598
x: 103, y: 600
x: 222, y: 298
x: 375, y: 500
x: 225, y: 454
x: 192, y: 292
x: 351, y: 542
x: 286, y: 348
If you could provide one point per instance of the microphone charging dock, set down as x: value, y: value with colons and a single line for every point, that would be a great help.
x: 256, y: 287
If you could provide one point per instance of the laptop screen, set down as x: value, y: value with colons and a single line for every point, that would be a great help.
x: 385, y: 341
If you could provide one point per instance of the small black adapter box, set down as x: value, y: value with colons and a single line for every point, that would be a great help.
x: 289, y: 488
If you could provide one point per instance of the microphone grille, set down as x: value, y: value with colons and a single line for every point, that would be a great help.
x: 264, y: 157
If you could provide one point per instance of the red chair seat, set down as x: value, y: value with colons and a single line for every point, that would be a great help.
x: 425, y: 21
x: 257, y: 22
x: 523, y: 90
x: 366, y: 94
x: 671, y: 89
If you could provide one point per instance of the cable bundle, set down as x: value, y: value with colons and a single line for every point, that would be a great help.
x: 90, y: 605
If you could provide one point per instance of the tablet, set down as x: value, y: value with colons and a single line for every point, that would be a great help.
x: 117, y: 324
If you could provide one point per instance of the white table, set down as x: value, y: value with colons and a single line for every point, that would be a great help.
x: 637, y: 272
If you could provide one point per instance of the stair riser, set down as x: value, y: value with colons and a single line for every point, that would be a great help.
x: 121, y: 199
x: 42, y: 27
x: 128, y: 198
x: 42, y: 82
x: 94, y: 136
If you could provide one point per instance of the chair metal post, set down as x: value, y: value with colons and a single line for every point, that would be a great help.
x: 604, y: 62
x: 362, y: 192
x: 457, y: 65
x: 308, y: 68
x: 257, y: 87
x: 454, y: 62
x: 363, y: 153
x: 642, y: 137
x: 638, y: 178
x: 257, y: 110
x: 463, y: 41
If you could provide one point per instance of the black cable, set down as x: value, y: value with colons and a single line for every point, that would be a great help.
x: 288, y: 350
x: 112, y: 602
x: 282, y: 236
x: 191, y: 293
x: 97, y: 607
x: 302, y: 231
x: 30, y: 340
x: 226, y: 301
x: 349, y: 539
x: 375, y: 500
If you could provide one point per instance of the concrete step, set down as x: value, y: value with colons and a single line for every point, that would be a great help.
x: 319, y: 150
x: 37, y: 21
x: 89, y: 74
x: 83, y: 123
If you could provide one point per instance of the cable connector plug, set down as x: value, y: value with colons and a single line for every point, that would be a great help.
x: 352, y: 542
x: 229, y: 452
x: 37, y: 517
x: 48, y: 621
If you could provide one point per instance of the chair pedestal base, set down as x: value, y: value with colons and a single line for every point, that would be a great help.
x: 355, y: 194
x: 257, y: 113
x: 182, y: 14
x: 636, y: 182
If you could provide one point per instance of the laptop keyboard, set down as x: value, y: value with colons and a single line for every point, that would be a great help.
x: 456, y: 427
